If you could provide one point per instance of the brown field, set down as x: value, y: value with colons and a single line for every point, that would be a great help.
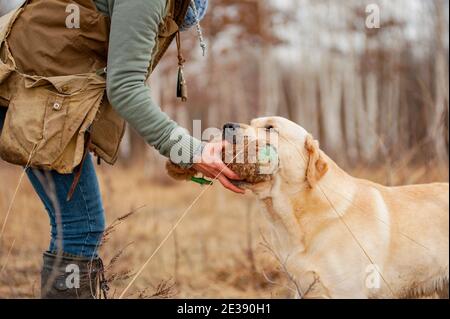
x: 215, y: 252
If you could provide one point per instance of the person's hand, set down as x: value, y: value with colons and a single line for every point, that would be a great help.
x: 212, y: 166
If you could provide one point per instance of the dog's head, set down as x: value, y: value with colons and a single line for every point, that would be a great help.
x: 280, y: 148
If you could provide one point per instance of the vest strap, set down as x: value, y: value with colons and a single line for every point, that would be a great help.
x: 182, y: 92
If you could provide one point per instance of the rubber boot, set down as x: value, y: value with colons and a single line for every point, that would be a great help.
x: 69, y: 277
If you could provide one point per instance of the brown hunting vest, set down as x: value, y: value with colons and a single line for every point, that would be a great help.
x: 52, y: 79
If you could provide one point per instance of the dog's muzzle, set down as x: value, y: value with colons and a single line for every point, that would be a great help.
x: 252, y: 160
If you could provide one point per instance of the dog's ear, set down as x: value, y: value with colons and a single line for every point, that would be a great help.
x: 317, y: 166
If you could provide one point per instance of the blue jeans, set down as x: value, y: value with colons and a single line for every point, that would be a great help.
x: 77, y: 225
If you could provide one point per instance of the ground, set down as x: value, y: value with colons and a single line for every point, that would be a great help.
x: 215, y: 252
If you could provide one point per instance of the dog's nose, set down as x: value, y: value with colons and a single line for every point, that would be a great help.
x: 229, y: 132
x: 231, y: 126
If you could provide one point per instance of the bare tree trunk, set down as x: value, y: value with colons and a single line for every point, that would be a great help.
x: 267, y: 78
x: 212, y: 112
x: 369, y: 147
x: 302, y: 89
x: 331, y: 98
x: 390, y: 103
x: 350, y: 105
x: 438, y: 131
x: 241, y: 105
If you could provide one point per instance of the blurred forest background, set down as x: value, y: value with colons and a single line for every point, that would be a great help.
x: 377, y: 100
x: 371, y: 96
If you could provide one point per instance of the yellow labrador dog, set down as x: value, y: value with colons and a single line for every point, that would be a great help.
x: 344, y: 237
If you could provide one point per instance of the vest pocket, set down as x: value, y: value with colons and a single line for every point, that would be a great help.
x: 108, y: 123
x: 46, y: 129
x: 22, y: 129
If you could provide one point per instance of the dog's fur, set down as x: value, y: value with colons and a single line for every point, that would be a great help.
x: 349, y: 233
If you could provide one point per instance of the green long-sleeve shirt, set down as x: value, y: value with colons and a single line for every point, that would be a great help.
x: 134, y: 29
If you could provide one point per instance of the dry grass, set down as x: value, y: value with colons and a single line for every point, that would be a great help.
x: 215, y: 252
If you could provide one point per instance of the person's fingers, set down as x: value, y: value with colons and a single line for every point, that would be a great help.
x: 217, y: 173
x: 207, y: 171
x: 228, y: 172
x: 227, y: 184
x: 222, y: 169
